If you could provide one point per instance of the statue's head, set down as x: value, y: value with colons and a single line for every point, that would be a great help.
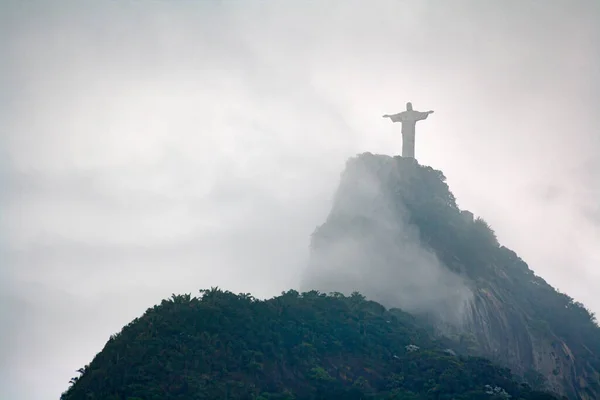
x: 409, y: 106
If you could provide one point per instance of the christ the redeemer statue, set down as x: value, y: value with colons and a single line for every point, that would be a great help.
x: 409, y: 119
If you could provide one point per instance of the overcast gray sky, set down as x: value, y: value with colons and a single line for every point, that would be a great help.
x: 159, y: 147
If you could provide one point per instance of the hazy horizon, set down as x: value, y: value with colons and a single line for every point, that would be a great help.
x: 164, y: 147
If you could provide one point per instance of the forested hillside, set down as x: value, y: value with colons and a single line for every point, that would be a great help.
x: 295, y: 346
x: 476, y: 322
x: 402, y: 226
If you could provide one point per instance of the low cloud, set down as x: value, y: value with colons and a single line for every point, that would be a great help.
x: 368, y: 245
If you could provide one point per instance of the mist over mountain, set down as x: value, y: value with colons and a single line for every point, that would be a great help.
x: 370, y: 244
x: 424, y: 303
x: 396, y: 234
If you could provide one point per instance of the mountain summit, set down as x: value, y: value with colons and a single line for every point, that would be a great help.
x: 424, y: 303
x: 396, y: 234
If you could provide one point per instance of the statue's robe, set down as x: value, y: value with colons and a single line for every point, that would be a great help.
x: 409, y: 120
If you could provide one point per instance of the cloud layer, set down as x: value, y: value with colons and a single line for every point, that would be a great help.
x: 369, y: 245
x: 160, y: 147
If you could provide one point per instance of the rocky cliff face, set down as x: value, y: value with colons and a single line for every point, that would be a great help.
x: 396, y: 234
x: 504, y: 335
x: 514, y: 334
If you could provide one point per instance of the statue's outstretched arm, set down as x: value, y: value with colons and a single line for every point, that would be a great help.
x: 393, y: 117
x: 421, y: 115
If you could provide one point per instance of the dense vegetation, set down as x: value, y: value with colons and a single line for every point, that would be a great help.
x: 535, y: 321
x: 294, y: 346
x: 471, y: 248
x: 315, y: 346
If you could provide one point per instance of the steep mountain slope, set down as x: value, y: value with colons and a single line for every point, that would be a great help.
x: 396, y: 235
x: 295, y: 346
